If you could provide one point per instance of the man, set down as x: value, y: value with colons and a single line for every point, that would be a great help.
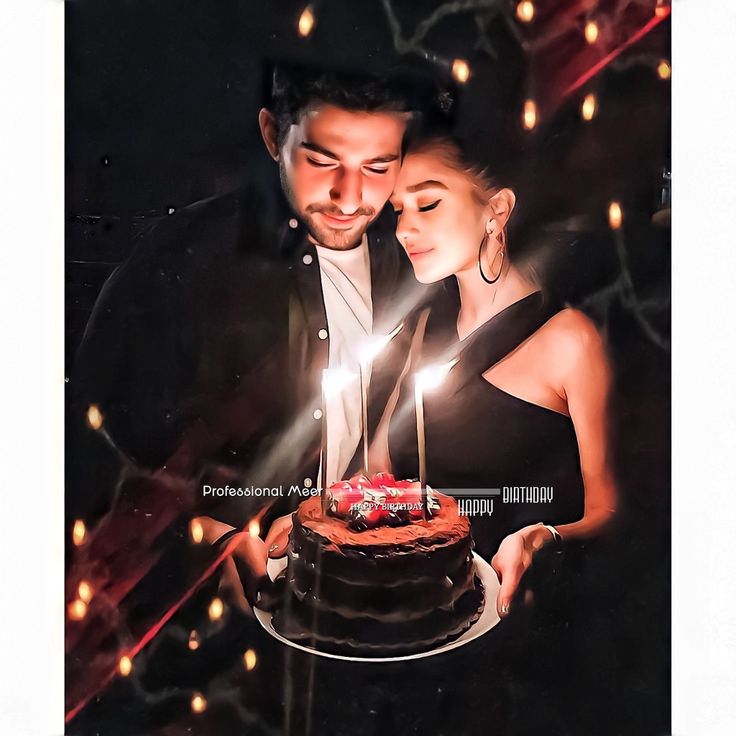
x: 205, y: 351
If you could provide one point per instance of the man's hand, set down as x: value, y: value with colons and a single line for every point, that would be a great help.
x: 278, y: 537
x: 513, y: 559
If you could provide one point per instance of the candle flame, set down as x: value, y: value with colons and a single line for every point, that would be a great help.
x: 196, y: 531
x: 664, y: 70
x: 662, y: 8
x: 193, y: 642
x: 615, y: 215
x: 254, y: 528
x: 432, y: 376
x: 199, y: 703
x: 94, y: 416
x: 125, y: 666
x: 525, y: 11
x: 79, y: 532
x: 216, y: 609
x: 306, y: 21
x: 460, y: 70
x: 530, y: 115
x: 589, y: 106
x: 591, y: 32
x: 250, y: 659
x: 85, y: 591
x: 77, y: 610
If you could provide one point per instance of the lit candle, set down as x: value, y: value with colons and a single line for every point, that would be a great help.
x: 368, y: 354
x: 333, y: 381
x: 425, y: 380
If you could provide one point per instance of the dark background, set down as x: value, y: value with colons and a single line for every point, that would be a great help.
x: 161, y: 103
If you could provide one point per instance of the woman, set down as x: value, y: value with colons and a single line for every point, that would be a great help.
x: 524, y: 408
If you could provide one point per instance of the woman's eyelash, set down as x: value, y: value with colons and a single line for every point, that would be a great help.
x: 428, y: 207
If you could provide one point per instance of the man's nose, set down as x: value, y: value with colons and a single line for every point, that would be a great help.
x: 347, y: 191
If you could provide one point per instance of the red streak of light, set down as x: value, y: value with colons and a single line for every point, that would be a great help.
x: 606, y: 60
x: 151, y: 633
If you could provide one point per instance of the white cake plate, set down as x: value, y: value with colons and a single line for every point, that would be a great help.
x: 486, y: 621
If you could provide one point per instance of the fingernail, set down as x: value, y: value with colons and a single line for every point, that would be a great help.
x: 504, y: 608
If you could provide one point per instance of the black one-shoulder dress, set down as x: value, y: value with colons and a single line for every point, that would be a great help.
x: 484, y: 443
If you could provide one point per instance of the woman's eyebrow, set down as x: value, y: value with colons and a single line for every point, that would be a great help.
x: 429, y: 184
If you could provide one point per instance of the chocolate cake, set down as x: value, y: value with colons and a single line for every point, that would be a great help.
x: 381, y: 591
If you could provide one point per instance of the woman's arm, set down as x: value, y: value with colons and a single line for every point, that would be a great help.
x: 584, y: 381
x: 587, y: 386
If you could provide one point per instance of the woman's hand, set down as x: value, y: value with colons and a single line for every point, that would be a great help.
x: 513, y: 559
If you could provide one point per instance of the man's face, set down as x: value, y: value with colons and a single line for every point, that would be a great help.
x: 338, y: 168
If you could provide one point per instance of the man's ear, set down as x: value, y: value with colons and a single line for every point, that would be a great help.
x: 269, y: 132
x: 502, y: 204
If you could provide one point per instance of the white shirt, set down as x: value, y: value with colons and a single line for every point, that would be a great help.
x: 346, y: 287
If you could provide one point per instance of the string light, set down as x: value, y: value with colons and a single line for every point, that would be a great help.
x: 525, y: 11
x: 79, y: 533
x: 662, y: 8
x: 199, y: 703
x: 615, y: 215
x: 216, y: 609
x: 196, y: 531
x: 591, y: 32
x: 125, y: 666
x: 529, y: 117
x: 460, y: 70
x: 193, y: 642
x: 250, y: 660
x: 94, y: 416
x: 77, y: 610
x: 85, y: 592
x: 589, y: 107
x: 306, y: 22
x: 664, y: 70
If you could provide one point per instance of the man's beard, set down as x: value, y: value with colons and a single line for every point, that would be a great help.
x: 322, y: 234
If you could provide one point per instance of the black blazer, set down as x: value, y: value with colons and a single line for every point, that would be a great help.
x: 204, y: 351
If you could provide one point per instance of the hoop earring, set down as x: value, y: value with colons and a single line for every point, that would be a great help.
x: 480, y: 264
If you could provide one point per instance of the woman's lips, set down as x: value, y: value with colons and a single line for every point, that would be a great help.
x: 418, y: 253
x: 340, y: 222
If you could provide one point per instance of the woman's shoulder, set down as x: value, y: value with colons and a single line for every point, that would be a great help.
x: 572, y: 334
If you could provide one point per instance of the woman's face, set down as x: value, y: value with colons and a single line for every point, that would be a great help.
x: 441, y: 224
